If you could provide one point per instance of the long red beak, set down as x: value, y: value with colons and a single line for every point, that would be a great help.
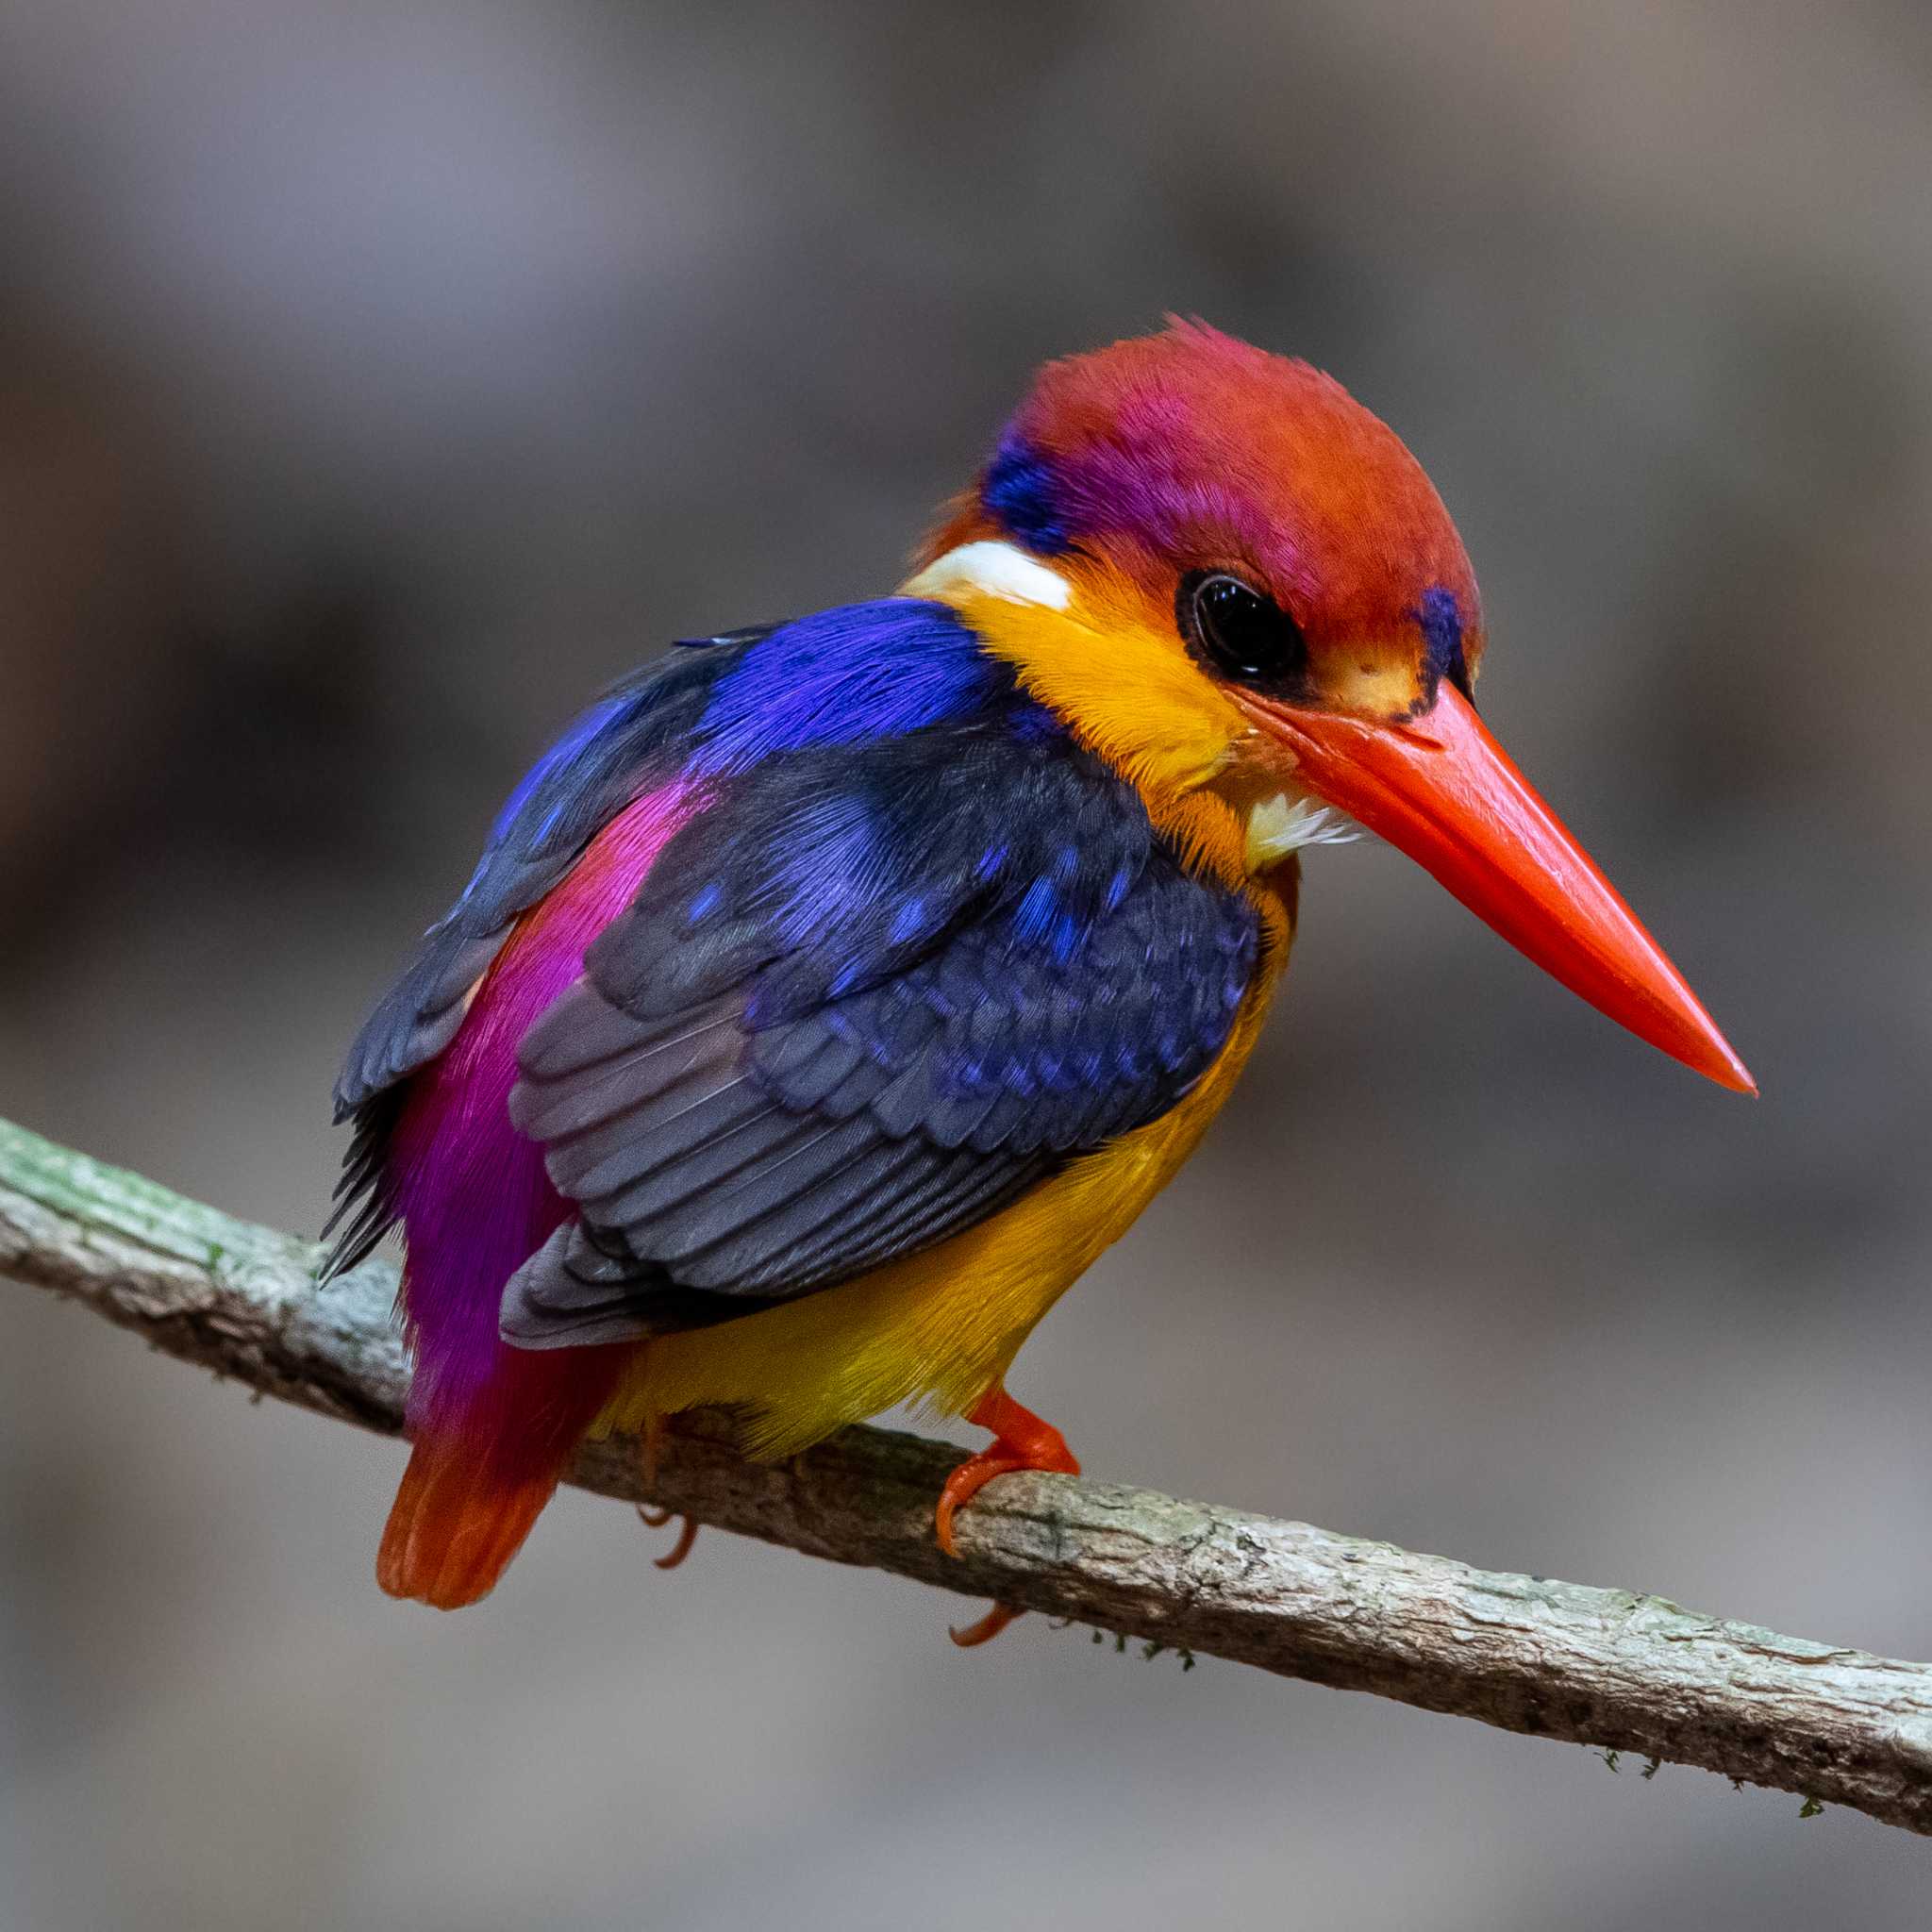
x: 1442, y: 791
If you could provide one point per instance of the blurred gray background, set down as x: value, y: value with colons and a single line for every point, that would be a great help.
x: 376, y: 382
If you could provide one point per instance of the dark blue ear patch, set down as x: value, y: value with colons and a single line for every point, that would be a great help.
x: 1441, y: 620
x: 1019, y: 492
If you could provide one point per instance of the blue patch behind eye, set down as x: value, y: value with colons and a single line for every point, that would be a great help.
x: 844, y: 676
x: 1019, y: 492
x: 1441, y: 622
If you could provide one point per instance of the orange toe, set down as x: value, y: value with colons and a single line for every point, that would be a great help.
x: 1021, y: 1440
x: 964, y: 1484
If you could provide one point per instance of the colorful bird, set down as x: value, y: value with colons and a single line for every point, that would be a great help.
x: 834, y: 991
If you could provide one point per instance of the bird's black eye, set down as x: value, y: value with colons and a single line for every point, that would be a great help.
x: 1237, y: 631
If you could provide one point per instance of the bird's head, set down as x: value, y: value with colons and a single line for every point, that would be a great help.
x: 1236, y: 585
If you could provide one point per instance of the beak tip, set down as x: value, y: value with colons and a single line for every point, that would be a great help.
x: 1719, y: 1063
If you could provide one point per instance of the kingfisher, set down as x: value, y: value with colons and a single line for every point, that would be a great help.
x: 833, y: 992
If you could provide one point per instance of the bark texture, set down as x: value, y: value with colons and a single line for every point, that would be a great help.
x: 1607, y: 1668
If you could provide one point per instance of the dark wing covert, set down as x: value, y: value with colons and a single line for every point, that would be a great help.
x: 864, y: 1001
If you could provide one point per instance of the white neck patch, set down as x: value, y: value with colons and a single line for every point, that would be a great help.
x: 991, y: 569
x: 1279, y: 825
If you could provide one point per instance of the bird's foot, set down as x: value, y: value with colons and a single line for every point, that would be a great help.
x: 1021, y: 1440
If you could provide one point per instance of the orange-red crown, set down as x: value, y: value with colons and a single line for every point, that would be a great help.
x: 1189, y: 450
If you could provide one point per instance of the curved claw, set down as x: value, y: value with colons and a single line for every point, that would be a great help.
x: 653, y: 1519
x: 681, y: 1548
x: 989, y: 1626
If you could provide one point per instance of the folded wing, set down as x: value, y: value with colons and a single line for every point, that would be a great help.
x: 864, y: 1001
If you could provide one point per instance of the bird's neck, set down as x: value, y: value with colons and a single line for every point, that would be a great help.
x: 1126, y: 695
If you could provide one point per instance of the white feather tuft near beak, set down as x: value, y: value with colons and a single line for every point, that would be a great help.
x: 1280, y: 824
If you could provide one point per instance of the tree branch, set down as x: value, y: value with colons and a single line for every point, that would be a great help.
x: 1600, y: 1666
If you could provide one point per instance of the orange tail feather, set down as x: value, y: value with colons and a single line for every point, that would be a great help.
x: 451, y: 1531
